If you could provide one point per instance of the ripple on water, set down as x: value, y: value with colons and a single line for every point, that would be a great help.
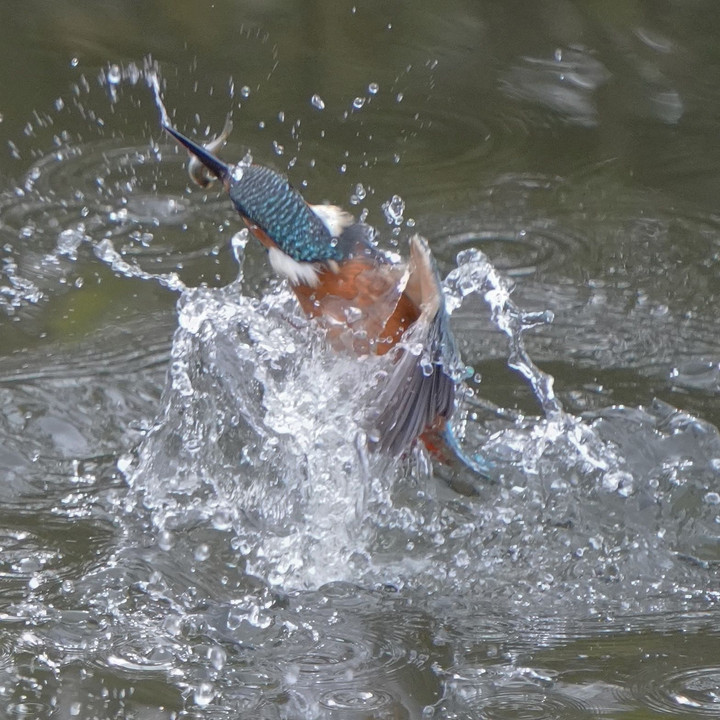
x: 691, y: 692
x: 436, y: 135
x: 378, y: 636
x: 614, y: 266
x: 374, y: 656
x: 564, y: 84
x: 348, y: 702
x: 523, y: 250
x: 447, y: 136
x: 508, y: 693
x: 99, y: 194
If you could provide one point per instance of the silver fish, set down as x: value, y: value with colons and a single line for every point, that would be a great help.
x: 199, y: 174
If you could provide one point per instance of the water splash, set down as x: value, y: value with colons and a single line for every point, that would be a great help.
x: 245, y: 433
x: 245, y: 429
x: 153, y: 79
x: 475, y: 274
x: 106, y: 252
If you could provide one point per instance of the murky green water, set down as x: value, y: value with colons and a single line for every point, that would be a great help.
x: 187, y: 531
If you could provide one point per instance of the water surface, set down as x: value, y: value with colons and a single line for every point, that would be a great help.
x: 188, y: 530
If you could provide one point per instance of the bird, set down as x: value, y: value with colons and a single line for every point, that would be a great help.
x: 366, y: 301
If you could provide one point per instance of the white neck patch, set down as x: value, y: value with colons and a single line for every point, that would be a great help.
x: 297, y: 273
x: 334, y: 218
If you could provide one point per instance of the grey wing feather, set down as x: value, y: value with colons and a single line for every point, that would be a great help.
x: 420, y: 390
x: 412, y: 400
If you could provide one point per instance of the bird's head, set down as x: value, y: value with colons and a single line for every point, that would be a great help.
x: 279, y: 216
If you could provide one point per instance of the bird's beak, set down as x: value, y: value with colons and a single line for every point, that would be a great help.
x: 214, y: 165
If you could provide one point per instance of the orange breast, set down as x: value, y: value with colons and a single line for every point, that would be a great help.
x: 361, y: 305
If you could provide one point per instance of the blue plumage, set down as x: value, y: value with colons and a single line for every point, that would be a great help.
x: 267, y: 199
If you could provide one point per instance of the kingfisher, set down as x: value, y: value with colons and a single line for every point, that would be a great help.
x: 366, y: 302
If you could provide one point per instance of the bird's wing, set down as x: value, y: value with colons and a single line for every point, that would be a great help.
x: 419, y: 393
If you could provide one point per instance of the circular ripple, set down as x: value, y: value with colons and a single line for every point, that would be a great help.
x: 335, y: 656
x: 356, y: 700
x: 518, y: 241
x: 433, y: 143
x: 530, y: 703
x: 138, y: 658
x: 440, y: 130
x: 690, y: 692
x: 366, y: 642
x: 520, y: 252
x: 126, y: 186
x: 82, y: 198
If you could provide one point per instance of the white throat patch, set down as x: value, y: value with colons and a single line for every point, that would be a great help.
x: 297, y: 273
x: 334, y: 218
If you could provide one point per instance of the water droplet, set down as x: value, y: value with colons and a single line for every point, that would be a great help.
x: 222, y: 520
x: 292, y: 674
x: 203, y: 694
x: 358, y: 102
x: 165, y: 540
x: 399, y: 97
x: 69, y: 240
x: 353, y: 314
x: 317, y: 102
x: 202, y: 552
x: 373, y: 88
x: 359, y: 195
x: 74, y: 62
x: 113, y: 74
x: 217, y: 657
x: 618, y: 481
x: 278, y: 148
x: 394, y: 209
x: 281, y: 116
x: 245, y: 91
x: 712, y: 498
